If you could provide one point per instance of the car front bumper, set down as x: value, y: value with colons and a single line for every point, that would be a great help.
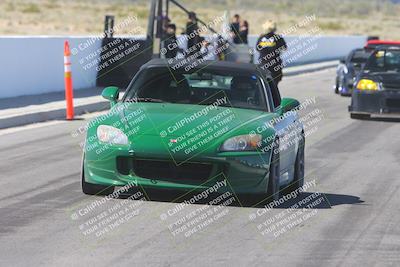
x: 375, y: 102
x: 245, y: 172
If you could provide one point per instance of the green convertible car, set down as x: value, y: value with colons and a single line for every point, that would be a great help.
x: 190, y: 126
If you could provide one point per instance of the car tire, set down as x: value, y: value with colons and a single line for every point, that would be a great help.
x: 94, y: 189
x: 273, y: 179
x: 358, y: 116
x: 298, y: 180
x: 337, y: 86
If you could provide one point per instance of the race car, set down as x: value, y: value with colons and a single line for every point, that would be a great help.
x: 188, y: 126
x: 348, y: 70
x: 377, y: 88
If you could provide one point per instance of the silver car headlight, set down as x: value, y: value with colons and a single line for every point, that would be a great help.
x: 111, y: 135
x: 245, y: 142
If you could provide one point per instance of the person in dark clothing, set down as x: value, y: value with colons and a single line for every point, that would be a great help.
x: 270, y: 46
x: 235, y: 29
x: 244, y: 31
x: 165, y: 22
x: 192, y: 32
x: 170, y: 42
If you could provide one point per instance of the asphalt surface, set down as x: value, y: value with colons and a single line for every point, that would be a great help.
x: 352, y: 169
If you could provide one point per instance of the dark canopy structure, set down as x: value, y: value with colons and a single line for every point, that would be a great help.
x: 132, y: 54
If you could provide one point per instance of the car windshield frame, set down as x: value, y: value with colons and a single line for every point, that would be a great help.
x: 359, y: 54
x: 135, y: 85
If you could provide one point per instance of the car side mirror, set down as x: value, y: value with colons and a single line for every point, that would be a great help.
x: 288, y: 104
x: 111, y: 93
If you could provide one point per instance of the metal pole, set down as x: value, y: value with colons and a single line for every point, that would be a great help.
x: 109, y: 26
x: 159, y: 19
x: 152, y: 17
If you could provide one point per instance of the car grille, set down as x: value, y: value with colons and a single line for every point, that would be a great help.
x: 391, y: 86
x: 165, y: 170
x: 393, y: 103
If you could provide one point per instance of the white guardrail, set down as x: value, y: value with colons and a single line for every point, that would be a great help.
x: 34, y: 64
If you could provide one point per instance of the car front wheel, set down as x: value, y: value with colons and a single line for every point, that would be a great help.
x: 298, y: 180
x: 337, y: 86
x: 274, y: 172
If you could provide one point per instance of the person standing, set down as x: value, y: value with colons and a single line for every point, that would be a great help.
x: 170, y: 41
x: 235, y: 29
x: 270, y: 46
x: 193, y: 35
x: 244, y: 31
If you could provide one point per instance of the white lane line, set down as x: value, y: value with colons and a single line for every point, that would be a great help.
x: 312, y: 73
x: 47, y: 123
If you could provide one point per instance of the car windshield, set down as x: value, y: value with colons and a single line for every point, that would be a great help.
x: 384, y: 60
x: 197, y: 87
x: 359, y: 57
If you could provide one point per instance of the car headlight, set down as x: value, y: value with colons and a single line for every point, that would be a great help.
x: 242, y: 143
x: 111, y: 135
x: 366, y: 84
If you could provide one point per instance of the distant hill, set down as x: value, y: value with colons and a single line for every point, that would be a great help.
x: 82, y: 17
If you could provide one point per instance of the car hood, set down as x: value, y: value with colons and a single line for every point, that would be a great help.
x: 176, y: 120
x: 354, y: 70
x: 182, y: 131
